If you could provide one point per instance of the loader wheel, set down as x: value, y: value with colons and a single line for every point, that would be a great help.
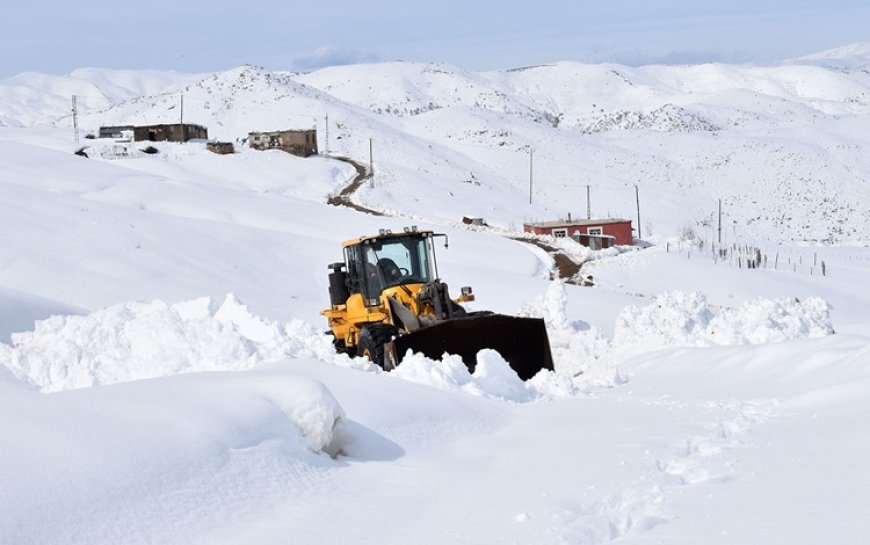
x: 340, y: 346
x: 372, y: 340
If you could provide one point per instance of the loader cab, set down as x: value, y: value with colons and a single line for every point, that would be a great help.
x: 377, y: 263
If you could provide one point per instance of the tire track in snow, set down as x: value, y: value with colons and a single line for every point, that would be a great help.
x: 701, y: 460
x: 692, y: 466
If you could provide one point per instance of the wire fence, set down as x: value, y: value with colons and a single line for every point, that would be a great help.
x: 810, y: 260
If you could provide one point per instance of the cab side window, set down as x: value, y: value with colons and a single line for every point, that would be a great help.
x: 373, y: 281
x: 355, y: 269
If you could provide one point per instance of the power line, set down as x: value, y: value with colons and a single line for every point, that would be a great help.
x: 75, y: 116
x: 637, y: 196
x: 531, y: 172
x: 588, y: 202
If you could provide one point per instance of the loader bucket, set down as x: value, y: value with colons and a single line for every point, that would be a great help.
x: 522, y: 342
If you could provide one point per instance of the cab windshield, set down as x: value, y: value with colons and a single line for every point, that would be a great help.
x: 400, y: 260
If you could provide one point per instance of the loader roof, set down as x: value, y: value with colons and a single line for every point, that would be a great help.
x: 386, y: 236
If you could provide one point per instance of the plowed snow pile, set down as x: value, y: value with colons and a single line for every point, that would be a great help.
x: 681, y: 319
x: 133, y: 341
x: 675, y: 319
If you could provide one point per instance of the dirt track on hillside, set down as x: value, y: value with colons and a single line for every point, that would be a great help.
x: 344, y: 196
x: 565, y: 268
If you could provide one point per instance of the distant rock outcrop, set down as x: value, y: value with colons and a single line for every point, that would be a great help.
x: 668, y: 118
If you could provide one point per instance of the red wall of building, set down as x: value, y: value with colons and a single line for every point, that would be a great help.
x: 621, y: 232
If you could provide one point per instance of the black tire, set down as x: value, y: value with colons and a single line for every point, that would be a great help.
x: 371, y: 342
x: 339, y: 346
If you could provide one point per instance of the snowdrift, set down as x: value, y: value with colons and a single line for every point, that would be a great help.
x: 85, y: 466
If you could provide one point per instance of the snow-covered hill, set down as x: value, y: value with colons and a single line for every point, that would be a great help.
x: 35, y: 98
x: 771, y: 141
x: 854, y: 58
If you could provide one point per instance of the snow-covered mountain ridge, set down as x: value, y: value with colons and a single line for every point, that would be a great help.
x: 553, y: 93
x: 33, y: 98
x: 781, y: 145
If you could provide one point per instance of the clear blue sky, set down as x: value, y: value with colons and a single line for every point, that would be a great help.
x: 56, y: 36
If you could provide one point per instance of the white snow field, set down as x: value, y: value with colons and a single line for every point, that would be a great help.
x: 165, y: 376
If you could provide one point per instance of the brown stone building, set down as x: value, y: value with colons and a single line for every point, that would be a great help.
x: 221, y: 148
x: 117, y: 131
x: 302, y: 142
x: 171, y: 133
x: 174, y: 132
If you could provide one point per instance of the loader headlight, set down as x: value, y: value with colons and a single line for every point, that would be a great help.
x: 466, y: 290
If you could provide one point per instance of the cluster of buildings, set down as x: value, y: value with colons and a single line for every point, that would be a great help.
x: 298, y: 142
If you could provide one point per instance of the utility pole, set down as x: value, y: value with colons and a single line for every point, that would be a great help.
x: 181, y: 118
x: 371, y: 163
x: 75, y: 115
x: 531, y: 172
x: 637, y: 198
x: 720, y: 222
x: 326, y: 138
x: 588, y: 203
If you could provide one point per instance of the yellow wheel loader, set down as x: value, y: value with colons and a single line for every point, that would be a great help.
x: 386, y: 298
